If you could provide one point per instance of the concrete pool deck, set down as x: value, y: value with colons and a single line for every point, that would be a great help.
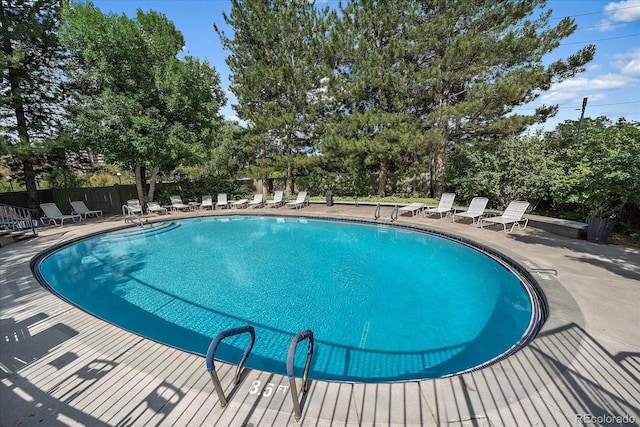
x: 62, y: 366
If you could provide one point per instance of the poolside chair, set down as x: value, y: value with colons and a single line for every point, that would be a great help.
x: 177, y: 205
x: 444, y: 207
x: 134, y: 206
x: 276, y: 201
x: 514, y: 214
x: 299, y: 202
x: 413, y: 208
x: 52, y: 214
x: 207, y: 202
x: 154, y: 207
x: 240, y: 204
x: 222, y: 201
x: 475, y: 211
x: 257, y: 202
x: 81, y: 209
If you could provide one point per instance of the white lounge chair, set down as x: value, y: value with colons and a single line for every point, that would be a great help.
x: 240, y: 204
x: 177, y: 205
x: 207, y: 202
x: 514, y: 214
x: 258, y: 201
x: 134, y: 206
x: 154, y: 207
x: 475, y: 211
x: 222, y: 201
x: 299, y: 202
x: 413, y: 208
x: 276, y: 201
x: 52, y: 214
x: 81, y: 209
x: 444, y: 207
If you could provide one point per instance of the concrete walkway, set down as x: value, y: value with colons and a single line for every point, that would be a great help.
x: 61, y: 366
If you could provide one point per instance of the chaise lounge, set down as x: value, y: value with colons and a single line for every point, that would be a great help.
x: 444, y: 207
x: 52, y: 214
x: 514, y: 215
x: 475, y: 211
x: 412, y: 208
x: 301, y: 200
x: 80, y: 208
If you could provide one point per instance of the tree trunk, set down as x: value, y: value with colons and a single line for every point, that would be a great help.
x: 139, y: 186
x: 437, y: 171
x: 382, y: 179
x: 152, y: 183
x: 30, y: 184
x: 289, y: 184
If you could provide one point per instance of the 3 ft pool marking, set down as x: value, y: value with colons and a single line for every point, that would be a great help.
x: 268, y: 389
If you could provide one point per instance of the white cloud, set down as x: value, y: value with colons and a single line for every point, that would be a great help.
x: 579, y: 87
x: 593, y: 68
x: 632, y: 68
x: 621, y: 11
x: 629, y: 63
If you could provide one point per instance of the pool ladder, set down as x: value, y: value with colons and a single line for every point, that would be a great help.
x: 394, y: 213
x: 293, y: 345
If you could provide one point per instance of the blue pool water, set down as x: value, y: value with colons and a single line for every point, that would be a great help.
x: 384, y: 303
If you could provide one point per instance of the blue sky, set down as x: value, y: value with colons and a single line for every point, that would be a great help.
x: 611, y: 81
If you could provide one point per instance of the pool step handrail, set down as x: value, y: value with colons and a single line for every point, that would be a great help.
x: 126, y: 210
x: 17, y: 221
x: 211, y: 355
x: 394, y: 213
x: 376, y: 212
x: 308, y: 334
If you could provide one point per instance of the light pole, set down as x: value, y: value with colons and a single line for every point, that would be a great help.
x: 584, y: 107
x: 119, y: 175
x: 10, y: 182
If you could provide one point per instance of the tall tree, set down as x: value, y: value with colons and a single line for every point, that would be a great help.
x: 276, y: 68
x: 372, y: 123
x: 31, y: 95
x: 137, y: 103
x: 477, y: 60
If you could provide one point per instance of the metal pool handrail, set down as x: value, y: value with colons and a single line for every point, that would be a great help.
x: 308, y: 334
x: 17, y: 219
x: 376, y: 212
x: 211, y: 353
x: 126, y: 209
x: 394, y: 211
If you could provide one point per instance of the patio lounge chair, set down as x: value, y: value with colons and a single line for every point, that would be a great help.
x: 514, y: 214
x: 177, y: 205
x: 299, y: 202
x: 277, y: 199
x: 413, y: 208
x: 240, y: 204
x: 52, y: 214
x: 134, y: 206
x: 444, y: 207
x: 154, y: 207
x: 222, y: 201
x: 207, y: 202
x: 257, y: 202
x: 81, y: 209
x: 475, y: 211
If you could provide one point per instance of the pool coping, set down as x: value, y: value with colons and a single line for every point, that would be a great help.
x: 554, y: 380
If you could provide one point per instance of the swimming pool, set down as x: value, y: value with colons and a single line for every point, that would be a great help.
x: 384, y: 303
